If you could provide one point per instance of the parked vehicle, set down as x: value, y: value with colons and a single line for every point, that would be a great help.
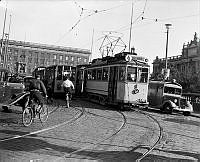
x: 9, y: 88
x: 167, y: 96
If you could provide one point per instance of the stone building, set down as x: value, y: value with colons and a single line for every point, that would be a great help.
x: 23, y: 57
x: 185, y: 68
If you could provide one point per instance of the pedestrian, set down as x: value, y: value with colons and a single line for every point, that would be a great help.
x: 68, y: 86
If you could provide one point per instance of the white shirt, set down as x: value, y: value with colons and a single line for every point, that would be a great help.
x: 68, y: 83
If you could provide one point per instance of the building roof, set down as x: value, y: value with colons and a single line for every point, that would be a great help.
x: 48, y: 47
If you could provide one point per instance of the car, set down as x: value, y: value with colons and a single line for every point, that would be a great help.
x: 10, y: 88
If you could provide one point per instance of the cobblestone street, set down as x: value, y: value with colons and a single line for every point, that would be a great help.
x: 98, y: 135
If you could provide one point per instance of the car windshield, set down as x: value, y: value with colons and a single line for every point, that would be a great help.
x: 172, y: 90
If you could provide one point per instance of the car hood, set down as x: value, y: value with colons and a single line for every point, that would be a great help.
x: 14, y: 85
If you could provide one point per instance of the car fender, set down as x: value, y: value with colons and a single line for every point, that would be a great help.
x: 189, y: 106
x: 171, y: 104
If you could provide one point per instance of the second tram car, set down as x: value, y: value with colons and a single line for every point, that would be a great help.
x: 53, y: 76
x: 120, y: 80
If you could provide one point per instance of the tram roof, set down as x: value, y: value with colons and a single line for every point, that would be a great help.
x: 121, y: 58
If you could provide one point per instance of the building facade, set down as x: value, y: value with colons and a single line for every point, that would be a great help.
x: 23, y: 57
x: 185, y: 68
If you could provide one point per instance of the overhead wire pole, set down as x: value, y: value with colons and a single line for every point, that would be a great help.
x: 6, y: 45
x: 91, y: 50
x: 1, y: 47
x: 131, y: 29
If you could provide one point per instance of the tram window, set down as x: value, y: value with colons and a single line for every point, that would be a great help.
x: 122, y: 73
x: 66, y: 68
x: 132, y: 74
x: 94, y: 74
x: 105, y: 73
x: 59, y: 73
x: 72, y: 78
x: 99, y: 74
x: 143, y: 75
x: 89, y: 75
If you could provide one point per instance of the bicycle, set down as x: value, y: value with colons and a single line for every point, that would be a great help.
x: 67, y: 98
x: 32, y: 111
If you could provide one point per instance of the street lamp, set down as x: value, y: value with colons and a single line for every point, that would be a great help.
x: 167, y: 27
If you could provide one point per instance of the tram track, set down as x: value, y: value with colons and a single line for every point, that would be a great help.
x: 151, y: 148
x: 91, y: 146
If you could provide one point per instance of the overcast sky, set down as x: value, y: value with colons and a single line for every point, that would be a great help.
x: 79, y: 23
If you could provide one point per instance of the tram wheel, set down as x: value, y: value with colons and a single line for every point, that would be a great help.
x: 121, y: 107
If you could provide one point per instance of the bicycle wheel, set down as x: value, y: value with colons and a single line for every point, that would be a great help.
x: 27, y: 116
x: 43, y: 113
x: 67, y: 100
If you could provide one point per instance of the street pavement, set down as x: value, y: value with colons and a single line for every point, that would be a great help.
x: 89, y: 138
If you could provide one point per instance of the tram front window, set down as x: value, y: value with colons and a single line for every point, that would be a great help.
x: 122, y: 73
x: 132, y: 74
x: 143, y: 75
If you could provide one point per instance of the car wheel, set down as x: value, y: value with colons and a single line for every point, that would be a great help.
x: 186, y: 113
x: 5, y: 108
x: 167, y: 108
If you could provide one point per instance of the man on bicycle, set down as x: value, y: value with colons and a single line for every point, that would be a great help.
x: 36, y: 87
x: 68, y: 86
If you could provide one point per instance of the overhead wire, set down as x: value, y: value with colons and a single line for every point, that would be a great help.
x: 81, y: 18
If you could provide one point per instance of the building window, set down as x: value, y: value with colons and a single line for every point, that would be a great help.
x: 61, y: 57
x: 72, y: 58
x: 54, y: 56
x: 78, y: 59
x: 16, y: 52
x: 42, y: 61
x: 42, y: 55
x: 30, y: 54
x: 29, y: 59
x: 15, y: 58
x: 85, y: 60
x: 66, y: 58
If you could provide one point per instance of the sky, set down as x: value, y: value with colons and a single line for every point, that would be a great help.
x: 89, y: 24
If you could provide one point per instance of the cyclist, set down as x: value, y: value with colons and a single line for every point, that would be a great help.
x: 68, y: 86
x: 35, y: 88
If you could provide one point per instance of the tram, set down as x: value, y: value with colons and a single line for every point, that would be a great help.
x: 53, y: 76
x: 119, y: 80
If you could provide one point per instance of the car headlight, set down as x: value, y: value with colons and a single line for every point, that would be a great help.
x: 175, y: 100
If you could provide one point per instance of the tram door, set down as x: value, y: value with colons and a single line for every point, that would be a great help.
x: 112, y: 84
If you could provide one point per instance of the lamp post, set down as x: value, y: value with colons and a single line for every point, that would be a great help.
x: 167, y: 27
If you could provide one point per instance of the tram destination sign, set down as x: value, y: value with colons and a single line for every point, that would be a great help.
x: 133, y: 58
